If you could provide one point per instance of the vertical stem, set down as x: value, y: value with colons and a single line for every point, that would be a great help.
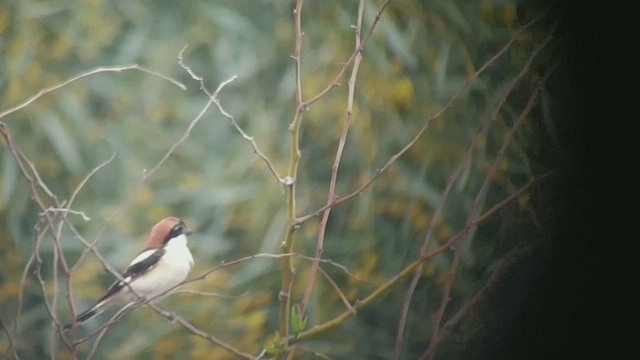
x: 287, y: 244
x: 336, y: 161
x: 290, y: 183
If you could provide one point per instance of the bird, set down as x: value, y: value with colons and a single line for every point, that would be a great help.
x: 163, y: 264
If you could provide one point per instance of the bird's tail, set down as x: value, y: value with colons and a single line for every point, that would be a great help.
x: 96, y: 309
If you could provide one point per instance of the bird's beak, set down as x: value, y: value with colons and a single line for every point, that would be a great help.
x: 188, y: 231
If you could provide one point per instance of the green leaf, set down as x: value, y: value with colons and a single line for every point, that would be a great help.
x: 298, y: 320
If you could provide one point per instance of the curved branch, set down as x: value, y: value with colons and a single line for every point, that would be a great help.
x: 98, y: 70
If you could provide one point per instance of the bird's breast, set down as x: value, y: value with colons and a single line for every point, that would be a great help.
x: 168, y: 272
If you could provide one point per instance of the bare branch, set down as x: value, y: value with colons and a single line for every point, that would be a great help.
x: 52, y: 209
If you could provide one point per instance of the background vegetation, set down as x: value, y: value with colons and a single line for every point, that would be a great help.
x: 449, y: 100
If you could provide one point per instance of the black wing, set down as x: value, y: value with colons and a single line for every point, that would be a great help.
x: 134, y: 271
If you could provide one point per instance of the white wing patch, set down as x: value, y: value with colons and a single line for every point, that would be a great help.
x: 143, y: 255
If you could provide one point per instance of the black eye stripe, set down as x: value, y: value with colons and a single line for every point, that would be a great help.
x: 177, y: 230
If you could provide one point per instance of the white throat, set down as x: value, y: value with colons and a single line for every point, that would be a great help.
x: 177, y: 250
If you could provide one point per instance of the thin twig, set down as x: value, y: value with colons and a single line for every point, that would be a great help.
x: 37, y: 177
x: 333, y: 263
x: 67, y: 211
x: 335, y: 286
x: 193, y: 75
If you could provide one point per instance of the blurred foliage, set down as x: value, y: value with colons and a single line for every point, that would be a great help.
x: 420, y: 55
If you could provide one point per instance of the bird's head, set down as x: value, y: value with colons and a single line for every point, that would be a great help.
x: 165, y: 230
